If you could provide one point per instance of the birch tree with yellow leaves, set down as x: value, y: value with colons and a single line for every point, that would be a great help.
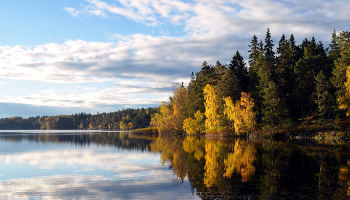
x: 211, y: 107
x: 241, y: 113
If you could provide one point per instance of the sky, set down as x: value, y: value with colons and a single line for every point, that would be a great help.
x: 63, y: 56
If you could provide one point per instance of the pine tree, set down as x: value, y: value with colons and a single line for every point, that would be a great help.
x: 285, y: 78
x: 253, y: 51
x: 274, y: 112
x: 334, y: 52
x: 306, y: 69
x: 227, y: 86
x: 195, y: 89
x: 344, y: 99
x: 268, y: 48
x: 239, y: 69
x: 341, y: 64
x: 269, y: 54
x: 323, y: 97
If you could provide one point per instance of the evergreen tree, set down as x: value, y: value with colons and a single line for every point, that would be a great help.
x: 274, y: 112
x: 195, y: 89
x: 334, y: 52
x: 227, y: 86
x: 284, y: 71
x: 253, y: 51
x: 296, y: 51
x: 306, y: 69
x: 239, y: 69
x: 341, y: 64
x: 268, y: 48
x: 323, y: 98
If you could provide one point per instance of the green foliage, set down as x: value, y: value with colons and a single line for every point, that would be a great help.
x: 138, y: 117
x: 341, y: 63
x: 240, y: 70
x: 274, y: 112
x: 323, y: 97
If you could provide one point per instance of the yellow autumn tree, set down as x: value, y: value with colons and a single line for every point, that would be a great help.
x: 123, y: 125
x: 170, y: 118
x: 179, y: 102
x: 241, y: 113
x: 211, y: 107
x: 241, y: 161
x: 192, y: 126
x: 195, y: 146
x: 249, y: 119
x: 344, y: 100
x: 212, y: 151
x: 163, y: 120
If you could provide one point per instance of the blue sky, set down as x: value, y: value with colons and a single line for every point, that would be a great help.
x: 99, y: 55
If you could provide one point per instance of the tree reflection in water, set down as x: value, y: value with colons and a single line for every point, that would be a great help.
x: 235, y: 169
x: 239, y: 169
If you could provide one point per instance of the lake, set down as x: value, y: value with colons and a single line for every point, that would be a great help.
x: 115, y: 165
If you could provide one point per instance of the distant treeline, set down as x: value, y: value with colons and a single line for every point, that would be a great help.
x: 124, y: 119
x: 282, y: 86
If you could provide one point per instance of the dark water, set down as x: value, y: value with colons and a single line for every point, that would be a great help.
x: 111, y: 165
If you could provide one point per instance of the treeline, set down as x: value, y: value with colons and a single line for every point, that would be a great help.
x: 297, y: 82
x: 124, y: 119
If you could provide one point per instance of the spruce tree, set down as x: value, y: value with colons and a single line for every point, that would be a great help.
x: 284, y: 72
x: 239, y: 69
x: 195, y: 88
x: 268, y: 48
x: 274, y: 112
x: 313, y: 61
x: 340, y: 65
x: 253, y: 51
x: 227, y: 86
x: 334, y: 52
x: 269, y: 54
x: 323, y: 97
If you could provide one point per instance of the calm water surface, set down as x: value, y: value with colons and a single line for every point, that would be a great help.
x: 113, y: 165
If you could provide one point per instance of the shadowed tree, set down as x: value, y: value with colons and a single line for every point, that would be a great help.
x: 239, y: 68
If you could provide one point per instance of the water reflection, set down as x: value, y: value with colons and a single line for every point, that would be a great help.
x: 85, y: 166
x: 122, y: 166
x: 239, y: 169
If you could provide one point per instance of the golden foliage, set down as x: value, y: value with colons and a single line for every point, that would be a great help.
x: 123, y: 125
x: 193, y: 126
x: 193, y: 145
x: 172, y: 151
x: 241, y: 161
x: 171, y: 116
x: 211, y: 163
x: 344, y: 100
x: 164, y: 120
x: 241, y: 113
x: 211, y: 107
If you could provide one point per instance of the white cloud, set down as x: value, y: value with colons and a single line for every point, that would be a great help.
x: 213, y: 29
x: 94, y: 187
x: 72, y: 11
x: 132, y: 175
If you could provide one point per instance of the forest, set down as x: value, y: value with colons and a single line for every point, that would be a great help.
x: 280, y: 86
x: 124, y: 120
